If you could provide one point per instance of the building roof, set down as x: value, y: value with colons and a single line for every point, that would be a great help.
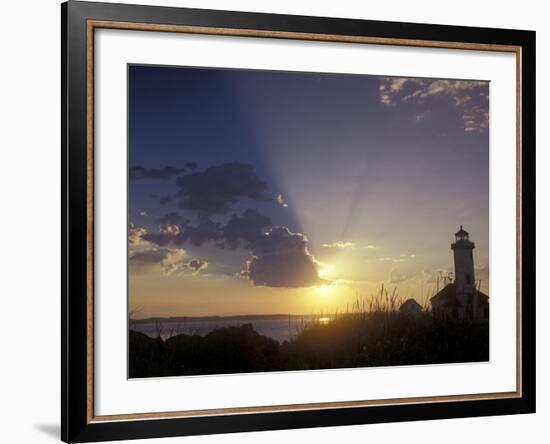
x: 447, y: 296
x: 410, y: 306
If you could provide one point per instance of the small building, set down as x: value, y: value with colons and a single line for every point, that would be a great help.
x: 411, y: 308
x: 461, y: 299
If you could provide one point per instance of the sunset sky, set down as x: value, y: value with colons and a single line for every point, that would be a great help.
x: 258, y: 192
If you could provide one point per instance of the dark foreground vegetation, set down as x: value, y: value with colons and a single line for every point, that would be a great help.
x: 361, y: 340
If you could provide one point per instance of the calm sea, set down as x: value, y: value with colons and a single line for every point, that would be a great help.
x: 279, y: 328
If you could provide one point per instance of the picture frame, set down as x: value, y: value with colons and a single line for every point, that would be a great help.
x: 80, y: 21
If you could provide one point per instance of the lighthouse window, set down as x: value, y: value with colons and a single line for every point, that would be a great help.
x: 468, y: 281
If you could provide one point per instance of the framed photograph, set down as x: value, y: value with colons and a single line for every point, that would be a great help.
x: 277, y: 221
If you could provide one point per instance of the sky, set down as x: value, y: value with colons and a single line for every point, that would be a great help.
x: 262, y: 192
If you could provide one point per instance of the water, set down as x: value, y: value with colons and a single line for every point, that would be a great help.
x: 278, y: 328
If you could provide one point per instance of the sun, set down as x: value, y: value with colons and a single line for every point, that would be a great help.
x: 323, y: 289
x: 325, y: 272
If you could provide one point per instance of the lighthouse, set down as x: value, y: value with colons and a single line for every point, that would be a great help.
x: 463, y: 249
x: 461, y: 300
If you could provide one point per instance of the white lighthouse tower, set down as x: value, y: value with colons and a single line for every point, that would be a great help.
x: 465, y: 281
x: 461, y: 300
x: 464, y: 262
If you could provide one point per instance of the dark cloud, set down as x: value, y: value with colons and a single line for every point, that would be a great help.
x: 168, y: 232
x: 281, y: 259
x: 216, y: 189
x: 165, y: 199
x: 191, y: 165
x: 207, y: 230
x: 196, y: 265
x: 160, y: 239
x: 171, y: 218
x: 246, y: 230
x: 242, y: 231
x: 139, y: 172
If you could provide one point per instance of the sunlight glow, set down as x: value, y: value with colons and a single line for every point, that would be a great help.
x: 323, y: 290
x: 326, y: 270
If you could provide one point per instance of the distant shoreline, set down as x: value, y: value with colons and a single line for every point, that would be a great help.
x: 228, y: 318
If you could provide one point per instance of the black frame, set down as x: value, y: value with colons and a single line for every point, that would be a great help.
x: 75, y: 426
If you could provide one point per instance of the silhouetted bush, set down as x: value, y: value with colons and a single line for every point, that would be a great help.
x: 378, y: 338
x: 148, y: 356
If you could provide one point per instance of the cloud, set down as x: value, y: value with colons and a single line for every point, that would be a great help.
x: 170, y: 261
x: 191, y: 165
x: 135, y: 234
x: 369, y: 247
x: 339, y: 244
x: 281, y: 259
x: 279, y: 199
x: 246, y: 230
x: 172, y: 266
x: 150, y: 256
x: 390, y: 87
x: 139, y: 172
x: 216, y: 189
x: 400, y: 258
x: 205, y: 231
x: 395, y: 276
x: 241, y: 231
x: 171, y: 218
x: 171, y: 229
x: 144, y: 253
x: 159, y: 239
x: 469, y: 97
x: 476, y: 119
x: 197, y: 265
